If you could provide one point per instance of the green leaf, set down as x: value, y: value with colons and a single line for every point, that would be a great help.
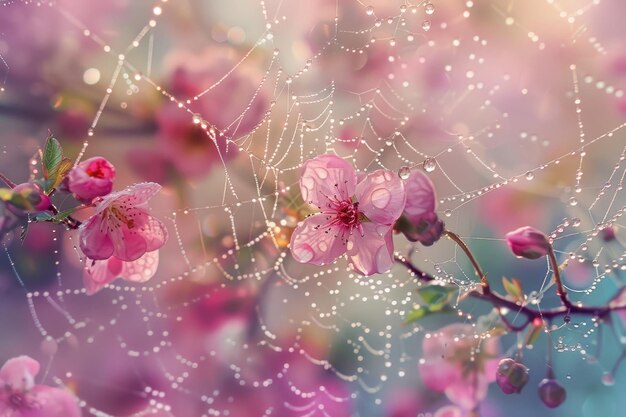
x: 52, y: 156
x: 513, y: 287
x: 421, y: 312
x: 57, y: 176
x: 55, y: 218
x: 436, y: 296
x: 415, y: 315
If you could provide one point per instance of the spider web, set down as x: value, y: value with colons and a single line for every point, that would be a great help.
x: 435, y: 90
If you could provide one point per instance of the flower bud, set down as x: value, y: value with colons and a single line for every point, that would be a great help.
x: 419, y: 221
x: 551, y: 392
x: 90, y: 179
x: 426, y: 229
x: 608, y: 234
x: 28, y: 197
x: 511, y: 376
x: 528, y: 242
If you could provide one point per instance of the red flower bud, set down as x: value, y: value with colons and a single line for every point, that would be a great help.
x: 551, y: 392
x: 528, y: 242
x: 511, y: 376
x: 90, y: 179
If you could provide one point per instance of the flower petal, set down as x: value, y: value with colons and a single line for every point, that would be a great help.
x: 97, y: 274
x: 54, y: 402
x: 142, y: 269
x: 469, y: 391
x: 381, y: 196
x: 439, y: 375
x: 315, y: 242
x: 19, y: 372
x: 135, y: 195
x: 326, y: 177
x: 420, y: 195
x: 129, y: 243
x: 371, y: 251
x: 155, y: 234
x: 94, y: 239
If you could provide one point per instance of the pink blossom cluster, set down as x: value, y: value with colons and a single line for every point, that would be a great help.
x: 357, y: 214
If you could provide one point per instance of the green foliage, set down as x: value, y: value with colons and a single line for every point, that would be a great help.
x: 55, y: 165
x: 513, y: 288
x: 434, y: 298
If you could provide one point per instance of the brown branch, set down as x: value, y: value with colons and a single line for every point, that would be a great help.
x: 483, y: 278
x: 499, y: 301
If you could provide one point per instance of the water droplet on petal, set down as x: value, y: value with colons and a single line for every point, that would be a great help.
x: 429, y: 8
x: 404, y: 172
x: 448, y: 213
x: 530, y: 175
x: 573, y: 202
x: 426, y: 25
x: 430, y: 164
x: 303, y: 252
x: 575, y: 222
x: 369, y: 10
x: 381, y: 197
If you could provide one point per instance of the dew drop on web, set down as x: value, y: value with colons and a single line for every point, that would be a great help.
x: 404, y: 172
x: 430, y: 164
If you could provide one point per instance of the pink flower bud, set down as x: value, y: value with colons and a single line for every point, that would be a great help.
x: 34, y: 199
x: 528, y: 242
x: 608, y: 234
x: 511, y: 376
x: 91, y: 178
x: 419, y: 221
x: 551, y: 392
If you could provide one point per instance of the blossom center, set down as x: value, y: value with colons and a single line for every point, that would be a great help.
x: 17, y: 400
x: 121, y: 216
x: 348, y: 213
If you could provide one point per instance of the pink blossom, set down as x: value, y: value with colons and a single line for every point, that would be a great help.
x: 423, y: 223
x: 235, y: 105
x: 122, y: 227
x: 98, y: 274
x: 91, y: 178
x: 447, y: 366
x: 187, y: 145
x: 528, y: 242
x: 20, y: 397
x: 356, y: 217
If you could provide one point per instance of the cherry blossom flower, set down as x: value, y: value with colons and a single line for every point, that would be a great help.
x: 234, y: 106
x: 21, y: 397
x: 98, y: 274
x: 447, y: 366
x: 122, y: 227
x: 423, y: 223
x: 528, y: 242
x: 91, y: 178
x: 356, y: 217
